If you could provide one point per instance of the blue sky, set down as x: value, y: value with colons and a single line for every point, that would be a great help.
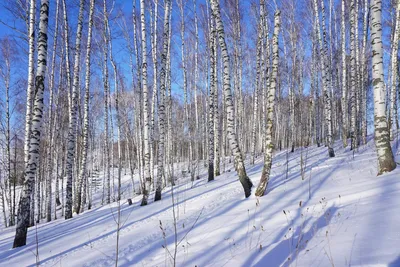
x: 125, y: 6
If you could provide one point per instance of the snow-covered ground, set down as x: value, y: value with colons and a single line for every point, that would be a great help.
x: 338, y: 213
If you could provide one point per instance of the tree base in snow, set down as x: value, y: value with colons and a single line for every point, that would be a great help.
x: 331, y: 152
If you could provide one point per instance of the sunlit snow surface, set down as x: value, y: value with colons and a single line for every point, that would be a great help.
x: 341, y: 214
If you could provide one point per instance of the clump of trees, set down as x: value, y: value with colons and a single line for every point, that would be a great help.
x: 194, y: 82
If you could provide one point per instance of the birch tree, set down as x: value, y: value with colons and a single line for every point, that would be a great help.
x: 268, y: 145
x: 364, y: 74
x: 106, y: 105
x: 258, y: 81
x: 231, y: 133
x: 147, y: 176
x: 50, y: 128
x: 353, y: 77
x: 31, y: 76
x: 82, y: 172
x: 212, y: 89
x: 161, y: 104
x: 344, y: 76
x: 35, y: 130
x: 393, y: 122
x: 326, y: 79
x: 386, y: 161
x: 73, y: 115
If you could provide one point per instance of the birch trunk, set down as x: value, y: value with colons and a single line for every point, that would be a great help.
x: 268, y: 146
x: 232, y: 138
x: 31, y: 77
x: 161, y: 105
x: 36, y: 126
x: 50, y: 128
x: 393, y: 91
x: 82, y: 173
x: 146, y: 128
x: 216, y: 117
x: 66, y: 49
x: 154, y: 37
x: 344, y: 76
x: 326, y: 79
x: 213, y: 84
x: 257, y: 83
x: 364, y: 74
x: 106, y: 106
x: 73, y: 115
x: 353, y: 77
x: 386, y: 161
x: 196, y: 78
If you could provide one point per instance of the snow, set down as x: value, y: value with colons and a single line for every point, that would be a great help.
x: 340, y: 214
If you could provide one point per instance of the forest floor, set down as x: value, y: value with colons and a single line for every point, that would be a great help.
x: 318, y: 211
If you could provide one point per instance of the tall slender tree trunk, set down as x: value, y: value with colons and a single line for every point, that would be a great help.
x: 161, y: 105
x: 216, y: 117
x: 154, y: 37
x: 268, y: 146
x: 6, y: 75
x: 50, y: 128
x: 66, y: 50
x: 31, y: 77
x: 106, y: 107
x: 353, y: 77
x: 232, y: 138
x: 212, y: 89
x: 35, y: 130
x: 196, y: 105
x: 393, y: 91
x: 326, y: 79
x: 344, y: 76
x: 386, y: 161
x: 146, y: 128
x: 73, y: 115
x: 258, y: 82
x: 364, y: 75
x: 82, y: 173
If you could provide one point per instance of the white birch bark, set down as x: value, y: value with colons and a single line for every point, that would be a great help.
x: 393, y: 91
x: 73, y: 116
x: 344, y: 76
x: 364, y: 74
x: 50, y: 128
x: 196, y: 78
x: 353, y: 77
x: 82, y: 172
x: 326, y: 79
x: 154, y: 37
x: 212, y: 89
x: 386, y: 161
x: 36, y: 127
x: 161, y: 105
x: 31, y: 77
x: 106, y: 106
x: 232, y: 137
x: 67, y: 62
x: 215, y: 116
x: 257, y: 83
x: 268, y: 145
x: 146, y: 128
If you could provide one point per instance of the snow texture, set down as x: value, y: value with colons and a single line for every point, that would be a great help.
x: 340, y: 214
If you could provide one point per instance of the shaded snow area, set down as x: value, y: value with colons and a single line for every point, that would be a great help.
x: 318, y: 211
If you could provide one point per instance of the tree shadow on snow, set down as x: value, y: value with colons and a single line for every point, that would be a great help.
x: 288, y: 250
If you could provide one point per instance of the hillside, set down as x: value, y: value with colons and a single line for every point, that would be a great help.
x: 339, y: 214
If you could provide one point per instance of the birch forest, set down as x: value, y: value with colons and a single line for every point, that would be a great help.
x: 116, y: 114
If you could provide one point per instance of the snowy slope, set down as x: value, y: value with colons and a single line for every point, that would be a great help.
x: 341, y: 214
